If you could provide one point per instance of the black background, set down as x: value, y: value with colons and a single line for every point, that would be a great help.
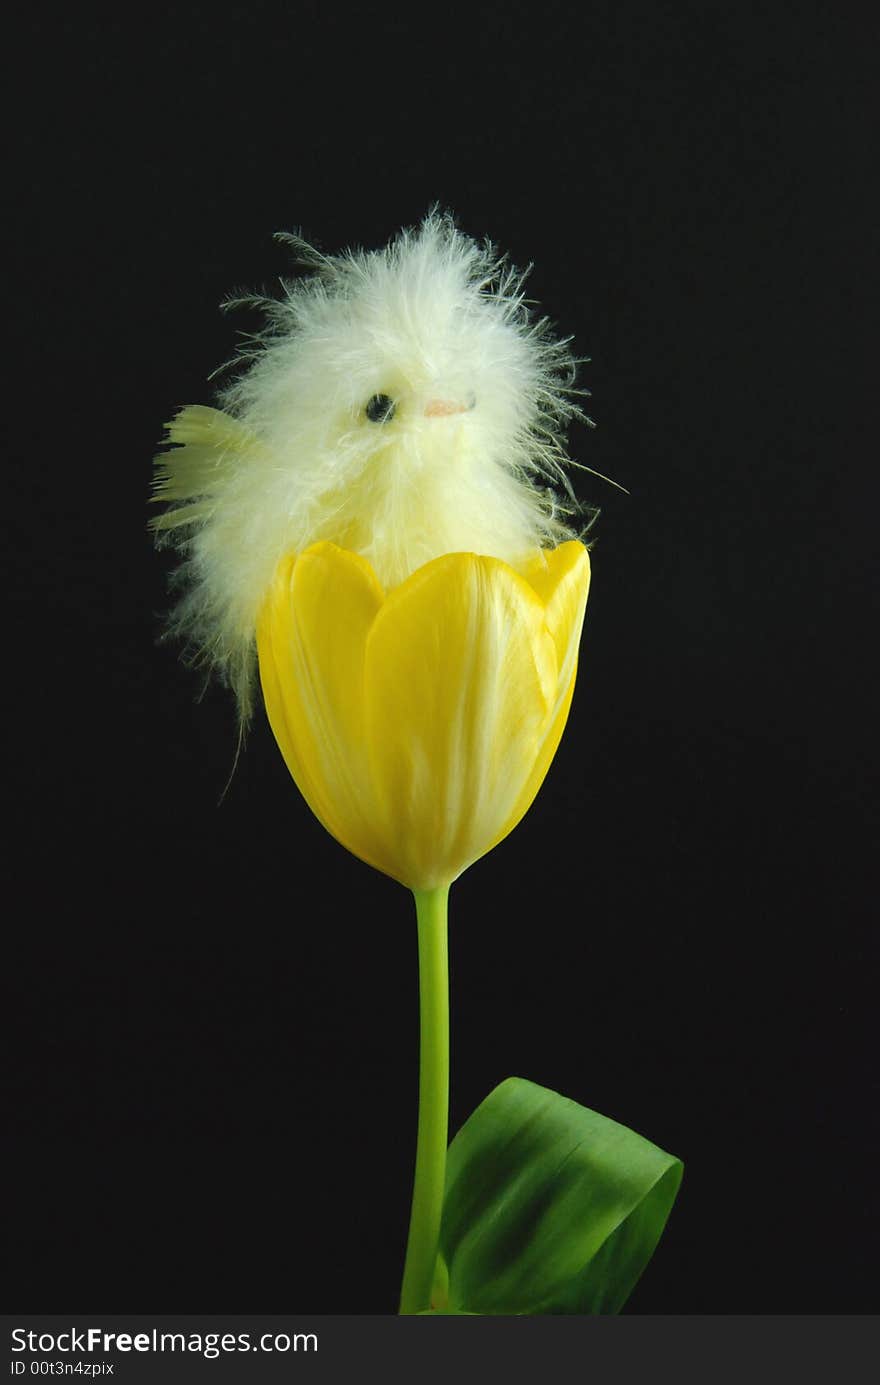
x: 214, y: 1010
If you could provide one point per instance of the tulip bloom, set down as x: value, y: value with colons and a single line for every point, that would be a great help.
x: 419, y: 724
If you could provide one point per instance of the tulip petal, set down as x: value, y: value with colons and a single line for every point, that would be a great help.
x: 311, y: 642
x: 561, y: 577
x: 460, y: 687
x: 543, y: 760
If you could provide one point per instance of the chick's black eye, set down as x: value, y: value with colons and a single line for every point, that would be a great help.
x: 380, y: 409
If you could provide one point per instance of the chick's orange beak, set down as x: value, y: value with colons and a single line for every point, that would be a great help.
x: 442, y: 408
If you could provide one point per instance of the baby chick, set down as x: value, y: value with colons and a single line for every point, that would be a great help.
x: 402, y: 403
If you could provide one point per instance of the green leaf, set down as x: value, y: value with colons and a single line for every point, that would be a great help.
x: 550, y: 1207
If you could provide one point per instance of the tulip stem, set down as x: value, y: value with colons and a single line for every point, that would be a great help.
x: 430, y: 1175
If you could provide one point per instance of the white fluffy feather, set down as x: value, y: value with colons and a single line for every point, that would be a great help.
x: 434, y: 322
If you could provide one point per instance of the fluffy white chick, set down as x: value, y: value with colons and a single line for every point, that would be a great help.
x: 403, y: 403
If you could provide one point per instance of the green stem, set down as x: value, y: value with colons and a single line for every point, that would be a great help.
x: 427, y: 1203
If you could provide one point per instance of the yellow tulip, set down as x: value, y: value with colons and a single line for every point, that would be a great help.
x: 419, y: 723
